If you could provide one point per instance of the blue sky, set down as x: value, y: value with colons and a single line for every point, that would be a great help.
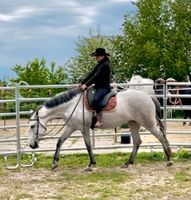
x: 49, y: 29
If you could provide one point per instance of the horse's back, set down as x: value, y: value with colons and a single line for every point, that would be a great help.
x: 135, y: 100
x: 135, y: 105
x: 148, y: 89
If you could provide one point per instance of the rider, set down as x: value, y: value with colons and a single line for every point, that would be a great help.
x: 101, y: 78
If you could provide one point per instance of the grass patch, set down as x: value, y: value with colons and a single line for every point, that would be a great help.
x: 183, y: 176
x: 23, y: 196
x: 183, y: 154
x: 103, y: 160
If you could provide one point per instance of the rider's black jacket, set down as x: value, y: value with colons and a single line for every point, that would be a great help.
x: 100, y: 76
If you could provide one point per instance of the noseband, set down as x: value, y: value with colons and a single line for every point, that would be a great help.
x: 38, y: 125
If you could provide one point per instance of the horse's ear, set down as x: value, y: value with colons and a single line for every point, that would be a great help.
x: 43, y: 111
x: 38, y: 108
x: 159, y: 80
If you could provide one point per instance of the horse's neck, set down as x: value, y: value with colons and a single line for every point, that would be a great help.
x: 60, y: 111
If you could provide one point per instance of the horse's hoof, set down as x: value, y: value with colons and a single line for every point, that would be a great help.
x: 169, y: 163
x: 54, y: 165
x: 88, y: 169
x: 124, y: 166
x: 93, y: 165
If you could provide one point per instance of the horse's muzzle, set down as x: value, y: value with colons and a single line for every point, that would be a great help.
x: 35, y: 146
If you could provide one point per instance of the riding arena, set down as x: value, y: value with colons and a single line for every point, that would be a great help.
x: 33, y: 127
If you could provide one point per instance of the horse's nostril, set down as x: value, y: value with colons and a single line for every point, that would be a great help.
x: 34, y: 146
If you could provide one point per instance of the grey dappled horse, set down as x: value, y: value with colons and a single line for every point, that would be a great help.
x: 144, y: 84
x: 133, y: 107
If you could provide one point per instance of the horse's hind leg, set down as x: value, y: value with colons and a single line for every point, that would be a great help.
x: 67, y: 132
x: 162, y: 138
x: 134, y: 128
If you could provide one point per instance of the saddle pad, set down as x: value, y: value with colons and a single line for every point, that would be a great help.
x: 111, y: 105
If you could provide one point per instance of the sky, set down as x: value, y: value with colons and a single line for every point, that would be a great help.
x: 49, y: 29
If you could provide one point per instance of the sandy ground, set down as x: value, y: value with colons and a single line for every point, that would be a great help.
x: 148, y: 181
x: 100, y: 141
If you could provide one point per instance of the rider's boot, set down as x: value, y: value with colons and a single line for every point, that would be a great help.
x: 99, y: 120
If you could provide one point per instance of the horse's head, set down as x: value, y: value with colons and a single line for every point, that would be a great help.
x: 172, y: 89
x: 37, y: 128
x: 158, y: 87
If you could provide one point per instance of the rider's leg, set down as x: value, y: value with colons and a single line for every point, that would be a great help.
x: 98, y: 105
x: 99, y: 119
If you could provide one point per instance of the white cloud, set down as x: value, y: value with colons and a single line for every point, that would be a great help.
x: 84, y: 13
x: 50, y: 28
x: 69, y: 30
x: 16, y: 14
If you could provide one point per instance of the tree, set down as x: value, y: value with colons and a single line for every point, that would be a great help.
x: 38, y: 73
x: 57, y: 75
x: 153, y: 43
x: 179, y: 54
x: 79, y: 66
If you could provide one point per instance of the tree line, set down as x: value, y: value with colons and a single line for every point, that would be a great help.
x: 155, y: 42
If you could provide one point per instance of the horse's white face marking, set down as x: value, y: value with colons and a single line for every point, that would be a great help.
x: 32, y: 127
x: 37, y: 129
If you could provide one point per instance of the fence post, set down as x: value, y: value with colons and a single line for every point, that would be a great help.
x: 17, y: 94
x: 165, y: 106
x: 17, y: 111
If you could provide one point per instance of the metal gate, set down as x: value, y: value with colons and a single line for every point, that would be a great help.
x: 17, y: 102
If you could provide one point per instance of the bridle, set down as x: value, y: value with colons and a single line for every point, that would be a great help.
x: 38, y: 125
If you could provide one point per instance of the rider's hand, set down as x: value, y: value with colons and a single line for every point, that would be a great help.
x: 83, y: 87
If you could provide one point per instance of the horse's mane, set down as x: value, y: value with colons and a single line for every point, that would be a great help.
x: 62, y: 98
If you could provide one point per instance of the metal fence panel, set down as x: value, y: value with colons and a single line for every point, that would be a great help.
x: 13, y: 124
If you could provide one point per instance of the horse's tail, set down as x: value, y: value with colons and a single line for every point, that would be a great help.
x: 158, y: 114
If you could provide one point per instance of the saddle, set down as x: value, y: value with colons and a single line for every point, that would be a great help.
x: 109, y: 100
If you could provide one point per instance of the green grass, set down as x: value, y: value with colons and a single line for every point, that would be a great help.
x: 106, y: 160
x: 23, y: 196
x: 183, y: 175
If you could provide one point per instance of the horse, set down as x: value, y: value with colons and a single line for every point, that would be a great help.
x: 133, y: 107
x: 144, y: 84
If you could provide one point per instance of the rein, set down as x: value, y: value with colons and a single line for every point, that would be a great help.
x: 70, y: 114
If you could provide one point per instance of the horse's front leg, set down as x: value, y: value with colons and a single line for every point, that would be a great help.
x: 87, y: 141
x: 67, y: 132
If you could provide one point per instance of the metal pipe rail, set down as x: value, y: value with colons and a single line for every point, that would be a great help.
x: 19, y: 99
x: 14, y: 113
x: 151, y: 146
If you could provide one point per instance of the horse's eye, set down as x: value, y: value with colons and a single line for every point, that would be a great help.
x: 32, y: 126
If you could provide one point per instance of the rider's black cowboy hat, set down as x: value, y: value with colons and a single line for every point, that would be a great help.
x: 100, y: 52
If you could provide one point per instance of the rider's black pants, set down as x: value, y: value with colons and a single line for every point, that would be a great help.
x: 97, y: 103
